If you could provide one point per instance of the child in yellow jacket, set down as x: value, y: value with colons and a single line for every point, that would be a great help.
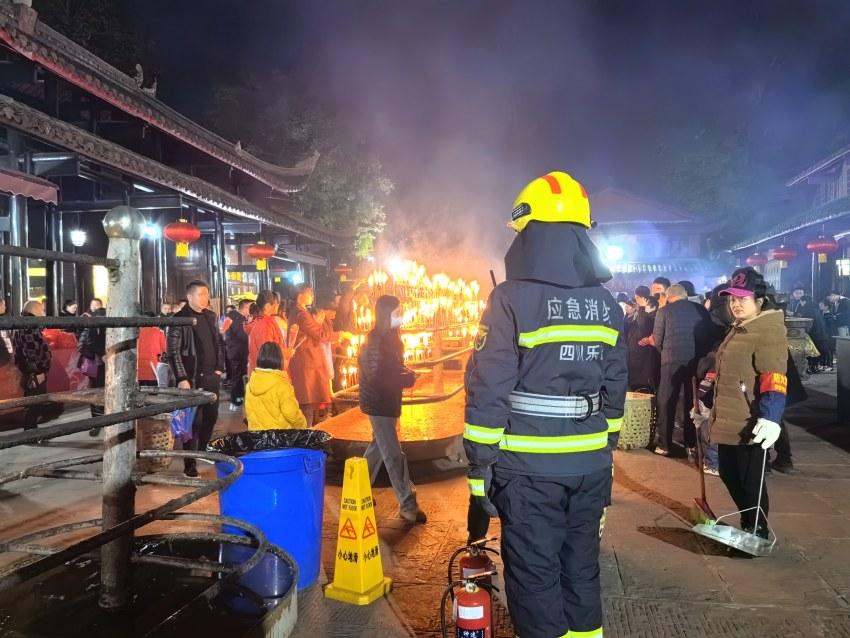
x: 270, y: 401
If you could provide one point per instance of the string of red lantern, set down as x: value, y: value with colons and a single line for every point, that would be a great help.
x: 822, y: 246
x: 183, y: 233
x: 756, y: 259
x: 261, y: 251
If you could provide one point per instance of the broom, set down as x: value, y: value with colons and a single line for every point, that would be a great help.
x: 701, y: 511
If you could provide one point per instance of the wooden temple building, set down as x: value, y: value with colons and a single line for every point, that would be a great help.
x: 78, y: 137
x: 642, y: 239
x: 809, y: 246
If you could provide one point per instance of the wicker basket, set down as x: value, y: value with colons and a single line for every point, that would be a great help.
x: 154, y: 433
x: 638, y: 421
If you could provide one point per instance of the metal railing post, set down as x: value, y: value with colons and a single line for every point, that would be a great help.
x: 124, y: 227
x: 17, y: 265
x: 437, y: 353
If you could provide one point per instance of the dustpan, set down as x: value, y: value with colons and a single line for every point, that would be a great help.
x: 731, y: 536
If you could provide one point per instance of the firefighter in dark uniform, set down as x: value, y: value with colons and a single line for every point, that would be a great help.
x: 545, y: 389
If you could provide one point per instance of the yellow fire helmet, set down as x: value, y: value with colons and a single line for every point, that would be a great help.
x: 555, y: 197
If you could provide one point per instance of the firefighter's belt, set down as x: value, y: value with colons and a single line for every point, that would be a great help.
x: 576, y: 407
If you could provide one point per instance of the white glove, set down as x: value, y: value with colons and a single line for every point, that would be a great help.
x: 702, y: 417
x: 766, y: 432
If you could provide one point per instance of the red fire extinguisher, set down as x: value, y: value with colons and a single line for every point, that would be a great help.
x: 472, y: 610
x: 471, y: 590
x: 473, y: 562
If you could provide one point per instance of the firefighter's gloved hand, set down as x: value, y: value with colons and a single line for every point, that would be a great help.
x: 479, y: 486
x: 766, y: 432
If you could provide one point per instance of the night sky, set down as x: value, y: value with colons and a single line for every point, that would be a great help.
x: 466, y: 101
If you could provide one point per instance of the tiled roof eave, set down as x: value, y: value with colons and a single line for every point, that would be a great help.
x: 79, y: 66
x: 645, y: 222
x: 65, y: 135
x: 819, y: 215
x: 824, y: 163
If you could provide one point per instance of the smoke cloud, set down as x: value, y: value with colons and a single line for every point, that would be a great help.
x: 465, y: 102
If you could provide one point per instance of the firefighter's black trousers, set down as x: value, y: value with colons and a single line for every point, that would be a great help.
x: 550, y: 549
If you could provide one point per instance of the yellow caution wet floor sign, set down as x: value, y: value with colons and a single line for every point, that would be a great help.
x: 358, y: 574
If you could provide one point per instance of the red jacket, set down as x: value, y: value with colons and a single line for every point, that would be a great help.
x: 151, y: 346
x: 259, y: 332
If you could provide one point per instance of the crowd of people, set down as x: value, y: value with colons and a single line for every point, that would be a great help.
x: 721, y: 371
x: 285, y: 350
x: 278, y: 358
x: 830, y: 318
x: 673, y: 337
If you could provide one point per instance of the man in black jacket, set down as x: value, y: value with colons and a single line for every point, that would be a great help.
x: 92, y: 351
x: 236, y: 346
x: 196, y: 354
x: 682, y: 334
x: 806, y: 309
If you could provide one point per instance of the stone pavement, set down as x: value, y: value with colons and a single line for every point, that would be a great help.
x: 662, y: 580
x: 659, y: 578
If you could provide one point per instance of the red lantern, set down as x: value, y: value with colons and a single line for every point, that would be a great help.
x: 261, y: 251
x: 756, y: 259
x: 783, y: 255
x: 343, y: 270
x: 823, y: 246
x: 183, y: 233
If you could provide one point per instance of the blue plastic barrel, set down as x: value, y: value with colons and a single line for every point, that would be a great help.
x: 282, y: 493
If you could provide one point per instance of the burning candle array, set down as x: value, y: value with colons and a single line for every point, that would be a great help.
x: 431, y: 304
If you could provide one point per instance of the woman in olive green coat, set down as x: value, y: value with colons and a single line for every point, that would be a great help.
x: 749, y: 395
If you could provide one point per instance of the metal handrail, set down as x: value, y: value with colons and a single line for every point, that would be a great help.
x: 193, y: 398
x: 19, y: 323
x: 422, y: 364
x: 410, y: 400
x: 20, y: 574
x: 52, y: 255
x: 426, y: 365
x: 88, y: 397
x: 435, y: 362
x: 449, y: 326
x: 431, y: 398
x: 256, y: 538
x: 123, y: 227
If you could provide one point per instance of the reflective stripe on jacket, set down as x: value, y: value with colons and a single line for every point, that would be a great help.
x: 538, y: 343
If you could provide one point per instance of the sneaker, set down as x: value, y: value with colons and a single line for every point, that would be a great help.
x: 711, y: 471
x: 94, y: 432
x: 762, y: 532
x: 786, y: 466
x: 190, y: 472
x: 414, y: 516
x: 660, y: 451
x: 692, y: 455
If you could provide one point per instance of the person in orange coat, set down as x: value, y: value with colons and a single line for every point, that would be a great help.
x: 151, y: 346
x: 265, y: 328
x: 308, y: 369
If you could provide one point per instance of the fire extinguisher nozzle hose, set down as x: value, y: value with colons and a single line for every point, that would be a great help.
x: 449, y: 590
x: 483, y: 541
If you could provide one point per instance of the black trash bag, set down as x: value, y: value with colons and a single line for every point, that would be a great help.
x: 260, y: 440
